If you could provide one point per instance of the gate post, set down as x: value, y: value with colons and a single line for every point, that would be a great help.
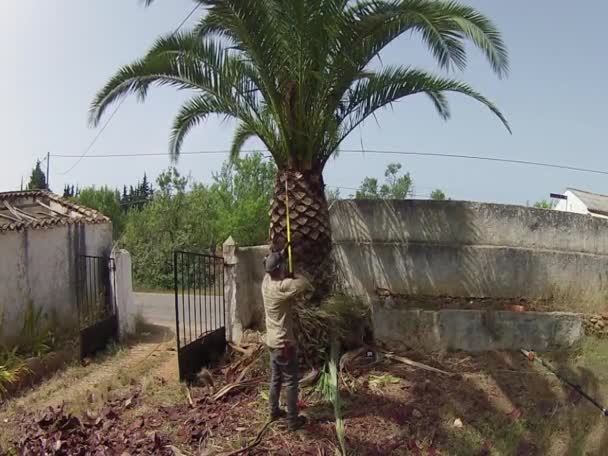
x: 233, y: 326
x: 123, y: 292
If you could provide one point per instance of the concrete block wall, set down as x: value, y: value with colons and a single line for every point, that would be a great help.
x: 472, y: 249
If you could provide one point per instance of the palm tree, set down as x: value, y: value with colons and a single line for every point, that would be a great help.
x: 299, y: 75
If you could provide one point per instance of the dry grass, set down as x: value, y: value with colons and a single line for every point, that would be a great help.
x: 152, y: 364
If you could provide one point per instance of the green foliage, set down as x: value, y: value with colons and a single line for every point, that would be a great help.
x: 69, y: 191
x: 35, y: 337
x: 37, y: 178
x: 543, y: 204
x: 396, y: 186
x: 171, y: 221
x: 184, y: 215
x: 438, y: 195
x: 11, y: 368
x: 137, y: 197
x: 298, y: 74
x: 106, y: 201
x: 242, y: 191
x: 7, y: 377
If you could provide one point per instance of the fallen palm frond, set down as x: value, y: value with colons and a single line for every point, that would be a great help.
x: 341, y: 317
x: 329, y: 387
x: 416, y: 364
x: 245, y: 365
x: 335, y: 386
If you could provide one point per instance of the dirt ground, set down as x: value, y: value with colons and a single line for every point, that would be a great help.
x: 130, y: 402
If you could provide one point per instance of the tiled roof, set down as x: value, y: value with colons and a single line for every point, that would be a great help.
x: 40, y: 210
x: 594, y: 201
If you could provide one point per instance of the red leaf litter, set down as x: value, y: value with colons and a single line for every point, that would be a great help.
x: 56, y: 432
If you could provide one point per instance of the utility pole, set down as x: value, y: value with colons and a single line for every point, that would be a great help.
x: 48, y: 168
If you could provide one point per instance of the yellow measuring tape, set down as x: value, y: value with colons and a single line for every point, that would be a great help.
x: 288, y: 225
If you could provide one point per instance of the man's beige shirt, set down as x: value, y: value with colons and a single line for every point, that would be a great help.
x: 279, y: 298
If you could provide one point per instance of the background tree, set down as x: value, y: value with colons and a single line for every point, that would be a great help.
x: 438, y: 195
x: 243, y: 191
x: 543, y: 204
x: 396, y: 186
x: 183, y: 214
x: 37, y: 178
x: 298, y: 75
x: 368, y: 189
x: 106, y: 201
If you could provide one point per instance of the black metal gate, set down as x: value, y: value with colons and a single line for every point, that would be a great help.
x: 200, y: 311
x: 96, y: 303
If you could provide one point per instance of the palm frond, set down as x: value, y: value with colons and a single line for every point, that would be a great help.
x: 392, y: 84
x: 242, y: 133
x: 296, y: 73
x: 184, y: 62
x: 194, y: 112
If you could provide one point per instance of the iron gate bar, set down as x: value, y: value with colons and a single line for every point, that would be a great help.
x: 96, y: 302
x: 198, y: 284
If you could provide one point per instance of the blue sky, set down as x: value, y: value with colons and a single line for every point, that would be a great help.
x: 57, y: 54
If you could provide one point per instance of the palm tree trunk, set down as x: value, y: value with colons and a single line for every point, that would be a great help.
x: 309, y: 220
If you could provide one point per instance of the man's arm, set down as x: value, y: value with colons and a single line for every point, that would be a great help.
x: 292, y: 287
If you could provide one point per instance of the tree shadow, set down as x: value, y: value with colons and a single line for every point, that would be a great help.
x: 418, y: 248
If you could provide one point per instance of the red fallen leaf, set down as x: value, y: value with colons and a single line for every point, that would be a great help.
x: 432, y: 451
x: 302, y: 405
x: 515, y: 414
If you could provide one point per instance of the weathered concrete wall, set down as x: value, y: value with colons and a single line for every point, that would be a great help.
x: 243, y: 275
x: 38, y: 268
x: 472, y: 249
x: 477, y: 330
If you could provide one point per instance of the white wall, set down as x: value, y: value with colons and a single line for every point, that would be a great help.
x: 572, y: 204
x: 38, y: 267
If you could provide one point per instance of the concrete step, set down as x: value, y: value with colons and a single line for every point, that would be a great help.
x: 477, y: 330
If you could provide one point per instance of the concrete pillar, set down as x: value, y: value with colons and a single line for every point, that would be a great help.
x: 125, y: 300
x: 234, y: 326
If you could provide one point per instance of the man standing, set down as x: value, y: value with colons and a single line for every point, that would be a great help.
x: 280, y: 293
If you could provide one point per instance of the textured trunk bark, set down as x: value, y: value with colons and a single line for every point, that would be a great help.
x: 309, y: 219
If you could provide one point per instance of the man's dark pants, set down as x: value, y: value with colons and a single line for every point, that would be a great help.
x: 284, y: 371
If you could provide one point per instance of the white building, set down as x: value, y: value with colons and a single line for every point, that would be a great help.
x: 41, y: 236
x: 582, y: 202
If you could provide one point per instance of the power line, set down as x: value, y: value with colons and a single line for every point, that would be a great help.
x: 476, y: 157
x: 376, y: 152
x: 105, y: 125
